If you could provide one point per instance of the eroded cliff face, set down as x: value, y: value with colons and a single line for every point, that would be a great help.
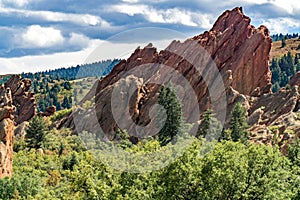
x: 17, y: 105
x: 23, y: 99
x: 240, y: 53
x: 236, y: 45
x: 6, y: 132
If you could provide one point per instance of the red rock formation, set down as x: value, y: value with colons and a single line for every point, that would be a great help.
x: 48, y: 112
x: 295, y: 80
x: 236, y: 45
x: 22, y: 98
x: 6, y: 132
x: 232, y: 43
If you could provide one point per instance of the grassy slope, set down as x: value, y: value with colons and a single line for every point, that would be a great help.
x: 277, y: 51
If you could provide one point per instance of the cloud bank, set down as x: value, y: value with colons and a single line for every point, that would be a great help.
x: 38, y: 28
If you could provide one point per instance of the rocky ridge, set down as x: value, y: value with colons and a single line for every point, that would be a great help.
x: 240, y: 53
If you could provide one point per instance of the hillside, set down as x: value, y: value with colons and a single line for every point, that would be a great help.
x: 63, y: 87
x: 292, y: 45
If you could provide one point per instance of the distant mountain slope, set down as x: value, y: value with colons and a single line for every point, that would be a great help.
x: 284, y: 61
x: 96, y: 69
x: 61, y: 87
x: 277, y: 51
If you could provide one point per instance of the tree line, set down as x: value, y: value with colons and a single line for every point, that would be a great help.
x: 280, y: 37
x: 97, y: 69
x: 283, y: 69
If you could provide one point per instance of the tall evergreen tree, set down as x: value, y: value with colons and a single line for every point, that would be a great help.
x: 168, y: 99
x: 238, y: 123
x: 67, y: 102
x: 210, y: 127
x: 283, y: 43
x: 36, y: 132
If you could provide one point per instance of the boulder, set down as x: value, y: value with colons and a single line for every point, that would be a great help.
x: 6, y: 132
x: 295, y: 80
x: 48, y: 112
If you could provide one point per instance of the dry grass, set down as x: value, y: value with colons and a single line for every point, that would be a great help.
x: 291, y: 45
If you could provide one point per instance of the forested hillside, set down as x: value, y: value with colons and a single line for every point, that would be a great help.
x: 63, y: 87
x: 96, y: 69
x: 283, y: 69
x: 284, y: 63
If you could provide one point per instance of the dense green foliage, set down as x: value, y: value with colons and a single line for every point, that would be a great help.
x: 55, y: 164
x: 56, y: 87
x: 283, y: 70
x: 231, y: 170
x: 294, y: 152
x: 53, y: 94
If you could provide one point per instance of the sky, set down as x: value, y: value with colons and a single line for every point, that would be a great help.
x: 36, y: 35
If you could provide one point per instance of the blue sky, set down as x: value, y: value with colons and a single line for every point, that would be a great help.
x: 42, y: 34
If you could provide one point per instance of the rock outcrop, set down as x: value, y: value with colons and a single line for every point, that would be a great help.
x: 48, y: 112
x: 17, y: 105
x: 23, y: 99
x: 295, y: 80
x: 240, y: 53
x: 236, y: 45
x: 274, y: 116
x: 6, y: 131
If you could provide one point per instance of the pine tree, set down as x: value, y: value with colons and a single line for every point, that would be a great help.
x: 67, y: 102
x: 275, y: 87
x: 168, y: 99
x: 36, y: 132
x: 238, y: 123
x: 210, y: 127
x: 67, y: 85
x: 283, y: 43
x: 70, y: 101
x: 290, y: 63
x: 275, y: 70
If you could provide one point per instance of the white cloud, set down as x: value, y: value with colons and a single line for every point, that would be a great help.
x: 130, y: 1
x: 81, y: 19
x: 74, y: 18
x: 44, y: 62
x: 37, y: 36
x: 18, y: 3
x: 79, y: 40
x: 291, y: 6
x: 169, y: 16
x: 281, y: 25
x: 97, y: 50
